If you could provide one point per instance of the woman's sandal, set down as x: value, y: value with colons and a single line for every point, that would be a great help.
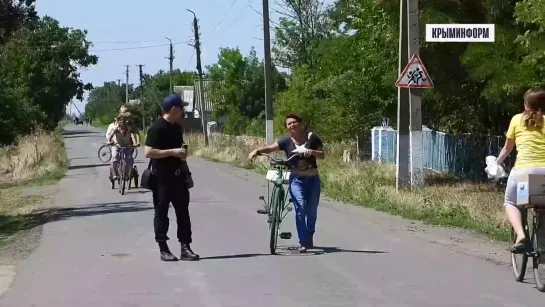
x: 519, y: 247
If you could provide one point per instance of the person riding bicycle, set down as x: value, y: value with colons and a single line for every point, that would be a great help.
x: 122, y: 137
x: 527, y: 132
x: 111, y: 127
x: 132, y: 125
x: 304, y: 181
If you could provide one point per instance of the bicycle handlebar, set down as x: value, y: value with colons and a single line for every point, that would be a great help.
x: 279, y: 160
x: 127, y: 147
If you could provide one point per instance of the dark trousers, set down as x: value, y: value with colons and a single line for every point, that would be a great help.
x: 171, y: 190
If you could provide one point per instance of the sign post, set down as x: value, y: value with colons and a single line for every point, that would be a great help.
x: 412, y: 79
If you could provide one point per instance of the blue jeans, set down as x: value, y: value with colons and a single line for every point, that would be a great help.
x: 305, y: 194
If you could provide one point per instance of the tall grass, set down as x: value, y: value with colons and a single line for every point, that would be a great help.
x: 443, y: 201
x: 34, y: 157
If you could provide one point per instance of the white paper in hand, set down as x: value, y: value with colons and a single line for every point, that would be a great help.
x: 299, y: 149
x: 493, y: 169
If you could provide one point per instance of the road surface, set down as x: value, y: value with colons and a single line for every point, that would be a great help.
x: 101, y: 252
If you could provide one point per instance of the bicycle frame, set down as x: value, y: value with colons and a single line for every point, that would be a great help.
x: 277, y: 177
x: 123, y: 161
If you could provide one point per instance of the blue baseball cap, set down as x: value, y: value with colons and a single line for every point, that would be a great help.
x: 173, y: 101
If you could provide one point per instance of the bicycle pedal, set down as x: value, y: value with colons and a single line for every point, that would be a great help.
x: 285, y: 235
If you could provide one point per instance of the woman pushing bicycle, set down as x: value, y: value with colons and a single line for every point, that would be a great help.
x: 304, y: 181
x: 527, y: 132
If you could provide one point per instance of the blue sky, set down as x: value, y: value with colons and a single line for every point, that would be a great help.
x: 121, y: 24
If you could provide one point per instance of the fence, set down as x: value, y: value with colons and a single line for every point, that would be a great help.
x: 460, y: 155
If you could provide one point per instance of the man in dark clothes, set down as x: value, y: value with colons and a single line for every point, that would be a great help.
x: 164, y: 147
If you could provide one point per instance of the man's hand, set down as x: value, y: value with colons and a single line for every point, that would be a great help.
x: 179, y: 153
x: 307, y: 153
x: 252, y: 155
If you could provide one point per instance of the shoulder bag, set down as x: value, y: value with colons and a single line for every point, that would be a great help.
x: 147, y: 180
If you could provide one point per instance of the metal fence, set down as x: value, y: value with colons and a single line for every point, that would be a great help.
x: 460, y: 155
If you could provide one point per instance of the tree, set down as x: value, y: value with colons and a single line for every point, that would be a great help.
x: 237, y: 90
x: 104, y: 101
x: 15, y: 15
x: 39, y: 75
x: 302, y: 25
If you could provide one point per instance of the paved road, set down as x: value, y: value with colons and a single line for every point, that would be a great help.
x: 101, y: 252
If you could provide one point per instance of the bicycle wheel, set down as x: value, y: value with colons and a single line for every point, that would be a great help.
x: 104, y: 153
x: 276, y: 200
x: 135, y: 153
x: 519, y: 261
x: 538, y: 265
x: 122, y: 180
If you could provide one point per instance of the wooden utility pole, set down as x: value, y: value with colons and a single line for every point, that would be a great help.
x: 410, y: 155
x: 415, y: 101
x: 171, y: 60
x: 268, y: 69
x: 403, y: 105
x: 141, y: 96
x: 199, y: 70
x: 127, y: 84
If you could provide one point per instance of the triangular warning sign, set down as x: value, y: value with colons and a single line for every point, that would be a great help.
x: 414, y: 75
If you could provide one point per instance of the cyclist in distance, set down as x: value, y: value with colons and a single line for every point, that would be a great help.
x: 304, y: 181
x: 527, y: 132
x: 121, y: 137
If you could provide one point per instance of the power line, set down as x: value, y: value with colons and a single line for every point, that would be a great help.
x: 139, y: 47
x: 125, y: 42
x: 227, y: 13
x: 190, y: 59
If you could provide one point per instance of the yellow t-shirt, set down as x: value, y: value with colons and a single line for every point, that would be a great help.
x: 530, y: 143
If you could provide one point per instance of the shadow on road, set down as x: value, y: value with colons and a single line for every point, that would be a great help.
x: 81, y: 136
x: 9, y: 225
x: 293, y: 250
x: 331, y: 250
x: 78, y: 132
x: 88, y: 166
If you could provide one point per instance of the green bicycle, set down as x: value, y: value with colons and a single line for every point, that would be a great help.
x: 279, y: 201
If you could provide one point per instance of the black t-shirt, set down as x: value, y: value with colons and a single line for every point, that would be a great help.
x: 287, y: 145
x: 165, y: 135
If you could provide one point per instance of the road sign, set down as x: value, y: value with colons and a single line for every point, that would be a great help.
x: 414, y: 75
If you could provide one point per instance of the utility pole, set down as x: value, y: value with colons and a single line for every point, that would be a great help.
x: 199, y: 70
x: 171, y: 60
x: 127, y: 85
x: 268, y: 74
x: 141, y: 95
x: 403, y: 104
x: 119, y: 82
x: 415, y: 101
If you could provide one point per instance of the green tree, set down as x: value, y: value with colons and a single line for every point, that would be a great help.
x: 237, y: 90
x: 39, y: 74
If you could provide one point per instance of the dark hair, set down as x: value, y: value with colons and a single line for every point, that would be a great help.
x: 295, y: 116
x: 534, y: 100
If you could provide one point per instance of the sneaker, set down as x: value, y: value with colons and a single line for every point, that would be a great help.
x: 187, y: 254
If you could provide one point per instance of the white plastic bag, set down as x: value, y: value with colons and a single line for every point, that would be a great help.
x: 494, y: 170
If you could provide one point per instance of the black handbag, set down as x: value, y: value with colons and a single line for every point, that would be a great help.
x: 147, y: 180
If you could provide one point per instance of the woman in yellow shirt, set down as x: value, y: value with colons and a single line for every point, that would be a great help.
x: 527, y: 132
